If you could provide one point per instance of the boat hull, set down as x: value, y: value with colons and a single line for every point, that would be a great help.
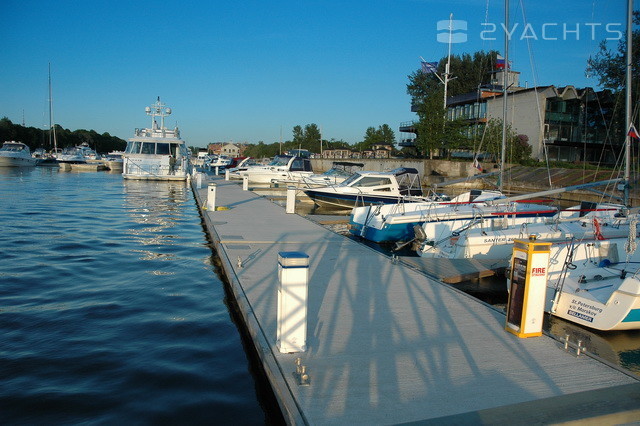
x: 620, y: 312
x: 347, y: 201
x: 17, y: 161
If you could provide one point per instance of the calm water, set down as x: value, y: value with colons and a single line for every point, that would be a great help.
x: 111, y: 309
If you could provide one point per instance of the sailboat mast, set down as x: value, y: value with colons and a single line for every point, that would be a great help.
x: 448, y: 65
x: 52, y: 130
x: 505, y: 81
x: 627, y: 173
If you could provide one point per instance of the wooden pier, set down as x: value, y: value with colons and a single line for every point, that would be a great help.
x: 386, y: 344
x: 453, y: 271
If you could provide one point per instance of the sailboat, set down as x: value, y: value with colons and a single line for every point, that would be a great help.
x: 50, y: 160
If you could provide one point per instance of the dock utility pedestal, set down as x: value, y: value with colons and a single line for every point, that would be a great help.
x: 293, y: 275
x: 527, y: 288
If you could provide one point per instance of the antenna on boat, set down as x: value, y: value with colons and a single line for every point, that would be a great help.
x: 158, y: 110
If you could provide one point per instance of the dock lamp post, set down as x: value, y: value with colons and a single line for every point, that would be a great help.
x: 293, y: 274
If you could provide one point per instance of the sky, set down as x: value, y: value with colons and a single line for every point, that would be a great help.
x: 249, y: 71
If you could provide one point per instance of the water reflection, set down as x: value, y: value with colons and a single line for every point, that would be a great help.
x: 155, y: 208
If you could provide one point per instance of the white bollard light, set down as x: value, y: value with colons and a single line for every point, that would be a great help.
x: 198, y: 180
x: 245, y: 183
x: 293, y: 274
x: 226, y: 174
x: 217, y: 170
x: 291, y: 199
x: 211, y: 197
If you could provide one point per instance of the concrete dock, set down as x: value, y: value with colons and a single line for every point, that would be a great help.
x: 388, y: 345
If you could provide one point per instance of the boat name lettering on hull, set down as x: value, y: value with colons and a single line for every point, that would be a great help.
x: 580, y: 316
x: 498, y: 240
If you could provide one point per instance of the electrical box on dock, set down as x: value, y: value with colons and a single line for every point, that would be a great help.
x: 527, y: 287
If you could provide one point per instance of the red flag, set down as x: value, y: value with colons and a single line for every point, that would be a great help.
x: 633, y: 132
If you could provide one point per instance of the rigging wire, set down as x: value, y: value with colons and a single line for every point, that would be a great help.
x: 534, y: 74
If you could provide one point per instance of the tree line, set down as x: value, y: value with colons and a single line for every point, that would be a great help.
x: 309, y: 137
x: 36, y: 138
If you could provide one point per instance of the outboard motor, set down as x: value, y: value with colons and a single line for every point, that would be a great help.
x: 421, y: 236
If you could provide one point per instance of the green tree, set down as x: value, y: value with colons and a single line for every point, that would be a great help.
x: 298, y: 135
x: 387, y: 135
x: 434, y: 132
x: 312, y: 137
x: 38, y: 138
x: 469, y: 71
x: 382, y: 135
x: 517, y: 146
x: 609, y: 67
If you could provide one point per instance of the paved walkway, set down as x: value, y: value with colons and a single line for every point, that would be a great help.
x: 386, y: 344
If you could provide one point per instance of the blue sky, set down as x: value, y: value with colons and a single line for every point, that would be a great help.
x: 243, y: 70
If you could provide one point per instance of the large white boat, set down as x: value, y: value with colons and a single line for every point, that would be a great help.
x: 16, y: 154
x: 156, y: 153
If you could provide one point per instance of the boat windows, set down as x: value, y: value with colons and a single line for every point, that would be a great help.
x: 148, y: 148
x: 280, y: 161
x: 349, y: 181
x: 162, y: 149
x: 373, y: 181
x: 133, y: 147
x: 301, y: 165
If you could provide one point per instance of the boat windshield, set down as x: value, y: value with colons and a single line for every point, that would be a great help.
x: 280, y: 161
x: 12, y: 147
x: 349, y: 181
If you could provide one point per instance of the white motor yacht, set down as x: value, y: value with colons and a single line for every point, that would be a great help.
x: 16, y: 154
x: 156, y: 153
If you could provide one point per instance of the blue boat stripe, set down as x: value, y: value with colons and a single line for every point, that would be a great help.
x: 632, y: 316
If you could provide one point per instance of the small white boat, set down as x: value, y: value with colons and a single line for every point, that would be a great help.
x: 242, y: 165
x: 220, y: 161
x: 282, y: 168
x: 16, y: 154
x: 366, y: 188
x: 338, y: 173
x: 72, y: 155
x: 114, y: 161
x: 156, y: 153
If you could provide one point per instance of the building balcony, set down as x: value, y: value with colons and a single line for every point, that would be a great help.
x: 408, y: 127
x: 407, y: 143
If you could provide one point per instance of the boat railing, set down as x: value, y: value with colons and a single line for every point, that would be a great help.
x: 154, y: 170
